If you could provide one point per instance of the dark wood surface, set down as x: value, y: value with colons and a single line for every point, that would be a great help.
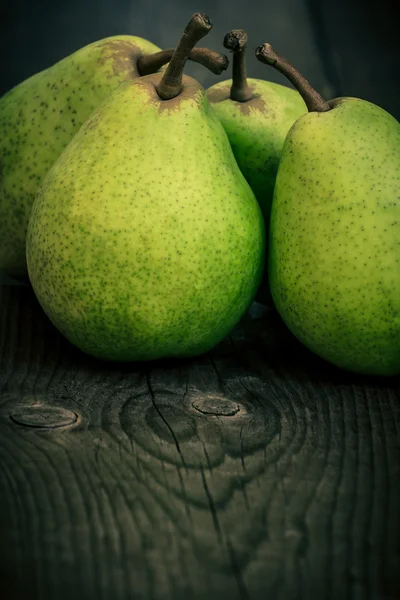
x: 256, y: 471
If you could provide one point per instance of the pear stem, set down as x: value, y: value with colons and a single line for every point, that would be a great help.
x: 211, y: 60
x: 170, y: 85
x: 236, y: 41
x: 314, y: 102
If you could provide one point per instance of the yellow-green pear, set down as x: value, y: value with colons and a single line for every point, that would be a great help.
x: 334, y: 249
x: 40, y: 116
x: 145, y: 240
x: 256, y: 116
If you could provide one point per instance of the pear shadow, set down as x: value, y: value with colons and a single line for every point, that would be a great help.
x: 260, y: 342
x: 265, y: 334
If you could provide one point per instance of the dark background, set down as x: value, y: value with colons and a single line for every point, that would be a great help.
x: 344, y: 47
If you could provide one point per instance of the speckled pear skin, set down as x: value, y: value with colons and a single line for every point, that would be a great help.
x: 40, y: 116
x: 145, y: 240
x: 257, y: 130
x: 334, y: 247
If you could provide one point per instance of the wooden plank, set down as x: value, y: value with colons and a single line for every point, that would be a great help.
x: 256, y: 471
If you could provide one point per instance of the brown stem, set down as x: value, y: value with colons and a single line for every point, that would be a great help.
x: 236, y: 41
x: 215, y: 62
x: 314, y: 102
x: 170, y: 85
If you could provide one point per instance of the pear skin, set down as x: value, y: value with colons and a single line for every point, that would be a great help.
x: 256, y: 116
x: 145, y: 240
x: 38, y: 119
x: 334, y: 252
x: 257, y: 130
x: 334, y: 241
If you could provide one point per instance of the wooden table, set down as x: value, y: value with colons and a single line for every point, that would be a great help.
x: 257, y: 471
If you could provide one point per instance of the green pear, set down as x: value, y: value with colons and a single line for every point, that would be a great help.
x: 256, y: 116
x: 334, y: 251
x: 40, y: 116
x: 145, y: 240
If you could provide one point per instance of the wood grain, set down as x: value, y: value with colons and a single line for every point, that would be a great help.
x: 145, y: 496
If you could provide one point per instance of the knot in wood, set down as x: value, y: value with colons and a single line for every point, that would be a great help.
x: 221, y: 407
x: 43, y: 416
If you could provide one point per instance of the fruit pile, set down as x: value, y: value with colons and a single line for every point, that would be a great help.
x: 138, y: 203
